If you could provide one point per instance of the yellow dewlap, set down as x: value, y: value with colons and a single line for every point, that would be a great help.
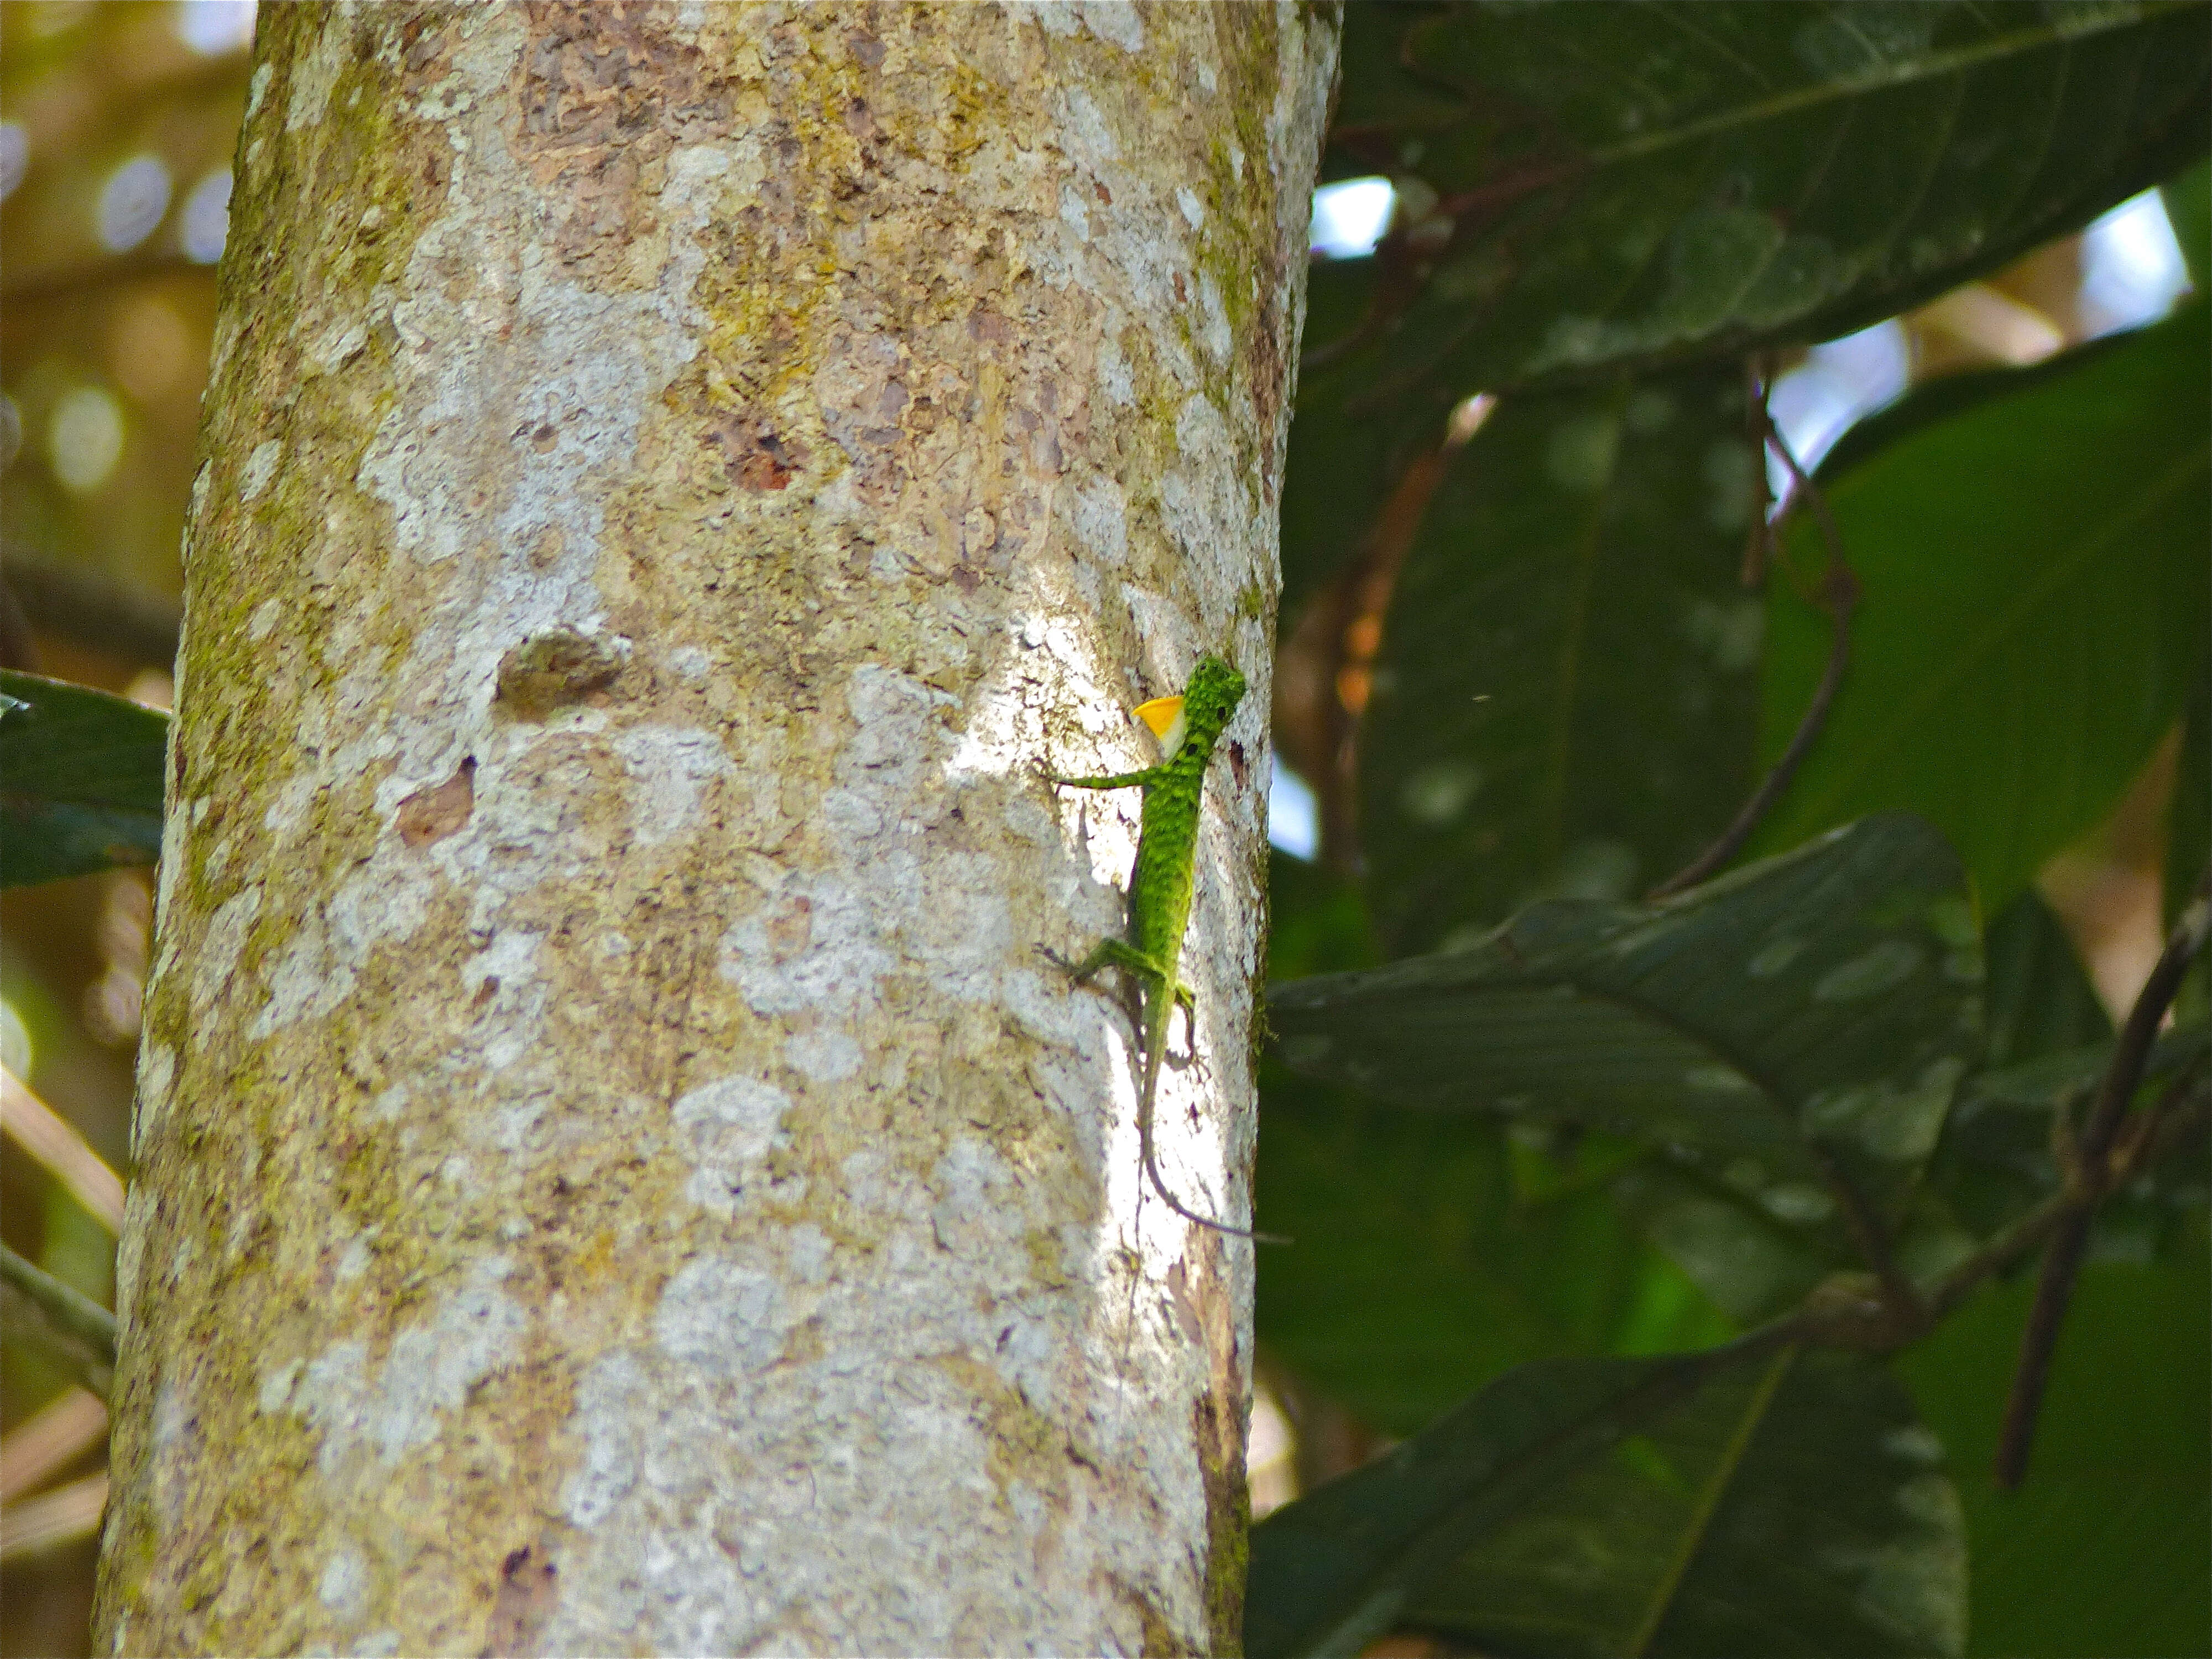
x: 1164, y: 716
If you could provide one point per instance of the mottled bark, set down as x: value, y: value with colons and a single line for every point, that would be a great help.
x: 615, y: 1172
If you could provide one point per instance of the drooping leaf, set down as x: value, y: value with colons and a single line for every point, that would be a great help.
x: 1442, y: 1254
x: 2106, y: 1548
x: 2034, y: 564
x: 1749, y: 1246
x: 1565, y: 700
x: 1631, y: 184
x: 1744, y: 1501
x: 80, y: 779
x: 1338, y: 1567
x: 1808, y: 1015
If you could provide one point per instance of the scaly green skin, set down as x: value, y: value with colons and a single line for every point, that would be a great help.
x: 1160, y: 890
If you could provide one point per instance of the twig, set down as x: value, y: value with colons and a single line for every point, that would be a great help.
x: 2027, y: 1233
x: 39, y: 1307
x: 2062, y: 1263
x: 91, y: 610
x: 54, y: 1518
x: 55, y: 1437
x: 41, y: 1132
x: 1839, y: 592
x: 1899, y: 1293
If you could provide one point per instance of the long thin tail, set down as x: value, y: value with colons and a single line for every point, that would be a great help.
x: 1151, y: 1166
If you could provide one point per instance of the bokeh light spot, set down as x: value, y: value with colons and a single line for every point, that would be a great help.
x: 132, y: 202
x: 15, y: 1051
x: 1350, y: 217
x: 85, y: 438
x: 206, y: 218
x: 2132, y: 271
x: 212, y: 28
x: 14, y: 157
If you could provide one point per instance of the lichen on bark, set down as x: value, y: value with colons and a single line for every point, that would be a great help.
x: 615, y: 1171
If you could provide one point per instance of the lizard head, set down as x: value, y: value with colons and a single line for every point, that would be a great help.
x: 1203, y: 709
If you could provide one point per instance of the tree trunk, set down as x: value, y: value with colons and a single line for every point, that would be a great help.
x: 615, y: 1171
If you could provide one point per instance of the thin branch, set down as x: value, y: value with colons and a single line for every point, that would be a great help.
x: 52, y: 1519
x: 1899, y: 1293
x: 53, y: 1439
x: 91, y: 610
x: 41, y: 1132
x: 2062, y: 1263
x: 2181, y: 1108
x: 38, y: 1308
x: 1839, y: 592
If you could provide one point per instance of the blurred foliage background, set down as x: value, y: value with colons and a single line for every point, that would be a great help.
x: 1438, y: 1258
x: 117, y: 125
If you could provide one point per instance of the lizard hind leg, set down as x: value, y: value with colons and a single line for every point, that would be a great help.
x: 1111, y: 953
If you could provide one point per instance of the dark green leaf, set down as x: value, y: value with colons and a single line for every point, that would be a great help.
x: 2039, y: 997
x: 1567, y: 697
x: 1442, y: 1254
x: 1640, y: 184
x: 1995, y: 1159
x: 80, y: 779
x: 1809, y: 1014
x: 1740, y: 1501
x: 2035, y: 606
x: 1435, y: 1255
x: 1753, y: 1249
x: 2188, y: 206
x: 2107, y: 1547
x: 1341, y: 465
x: 1338, y: 1567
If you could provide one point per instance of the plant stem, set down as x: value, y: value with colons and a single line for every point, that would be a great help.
x: 1839, y: 594
x: 2071, y: 1237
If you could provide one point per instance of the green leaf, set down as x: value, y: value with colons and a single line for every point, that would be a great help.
x: 1996, y: 1160
x: 1631, y: 185
x: 1342, y: 467
x: 1808, y: 1015
x: 1442, y: 1256
x: 2039, y: 997
x: 1565, y: 702
x: 1753, y: 1249
x: 80, y: 779
x: 2188, y: 206
x: 1435, y: 1255
x: 2034, y: 567
x: 2106, y: 1548
x: 1745, y: 1501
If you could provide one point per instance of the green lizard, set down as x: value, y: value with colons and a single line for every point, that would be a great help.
x: 1160, y: 884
